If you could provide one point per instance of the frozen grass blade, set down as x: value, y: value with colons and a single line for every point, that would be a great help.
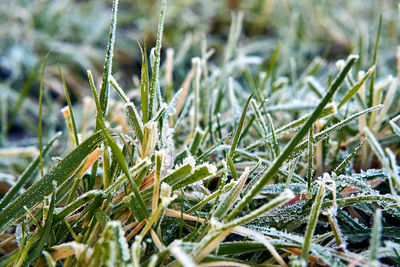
x: 329, y: 110
x: 259, y: 117
x: 373, y: 259
x: 395, y: 128
x: 273, y: 135
x: 228, y: 202
x: 107, y: 69
x: 144, y: 85
x: 372, y: 84
x: 135, y: 120
x: 310, y: 158
x: 44, y: 234
x: 239, y: 128
x: 325, y: 133
x: 42, y: 188
x: 40, y: 116
x: 315, y: 211
x: 73, y: 124
x: 157, y: 57
x: 347, y: 160
x: 356, y: 87
x: 196, y: 89
x: 119, y: 90
x: 157, y: 179
x: 181, y: 255
x: 141, y: 210
x: 26, y: 175
x: 284, y: 197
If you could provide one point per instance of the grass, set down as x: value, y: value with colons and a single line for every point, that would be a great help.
x: 241, y: 160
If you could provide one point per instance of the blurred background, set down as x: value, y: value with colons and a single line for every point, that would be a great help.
x: 76, y: 34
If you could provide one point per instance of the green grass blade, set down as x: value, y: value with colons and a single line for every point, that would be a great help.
x: 232, y: 196
x: 40, y: 116
x: 75, y: 132
x: 395, y: 128
x: 315, y: 211
x: 24, y: 93
x: 281, y: 199
x: 325, y: 133
x: 310, y: 158
x: 373, y: 259
x: 119, y: 90
x: 44, y: 233
x: 239, y: 128
x: 144, y: 85
x: 346, y: 161
x: 94, y: 92
x: 271, y: 65
x: 135, y: 120
x: 273, y: 134
x: 77, y: 203
x: 329, y: 110
x: 42, y: 188
x: 274, y: 167
x: 157, y: 56
x: 142, y: 211
x: 25, y: 176
x: 105, y: 85
x: 372, y: 84
x: 356, y: 87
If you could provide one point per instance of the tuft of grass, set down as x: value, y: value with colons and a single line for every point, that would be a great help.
x: 177, y: 170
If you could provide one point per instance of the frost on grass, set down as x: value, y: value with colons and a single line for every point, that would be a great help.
x: 217, y: 175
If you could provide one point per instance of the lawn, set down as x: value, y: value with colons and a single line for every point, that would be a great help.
x: 199, y: 133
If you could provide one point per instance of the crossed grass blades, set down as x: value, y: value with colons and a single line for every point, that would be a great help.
x: 192, y: 181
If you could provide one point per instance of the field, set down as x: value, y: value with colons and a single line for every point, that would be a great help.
x: 199, y: 133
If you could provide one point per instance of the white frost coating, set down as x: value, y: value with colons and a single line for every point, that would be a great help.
x: 169, y: 148
x: 121, y: 240
x: 164, y: 106
x: 288, y: 194
x: 166, y: 190
x: 211, y: 168
x: 340, y: 64
x: 166, y: 197
x: 181, y: 255
x: 189, y: 160
x: 196, y: 61
x: 120, y: 91
x: 281, y: 81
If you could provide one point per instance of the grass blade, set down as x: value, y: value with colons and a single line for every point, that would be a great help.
x: 26, y: 175
x: 356, y: 87
x: 105, y: 85
x: 157, y: 56
x: 346, y: 161
x: 239, y: 128
x: 40, y: 116
x: 75, y: 132
x: 135, y: 121
x: 372, y: 84
x: 141, y: 211
x: 315, y: 210
x: 375, y: 240
x: 44, y: 233
x: 42, y: 188
x: 310, y: 158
